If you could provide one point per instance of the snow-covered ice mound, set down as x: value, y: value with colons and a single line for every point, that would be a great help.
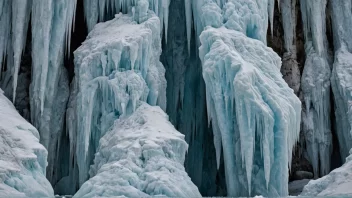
x: 140, y: 156
x: 22, y: 159
x: 336, y: 183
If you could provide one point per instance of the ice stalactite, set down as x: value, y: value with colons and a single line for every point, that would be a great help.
x: 117, y: 66
x: 342, y: 72
x: 255, y: 115
x: 290, y: 69
x: 51, y: 29
x: 315, y: 84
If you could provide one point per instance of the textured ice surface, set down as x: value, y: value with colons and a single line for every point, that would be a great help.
x: 342, y: 72
x: 255, y: 115
x: 140, y: 156
x: 316, y: 87
x: 23, y: 159
x: 336, y: 183
x: 117, y: 66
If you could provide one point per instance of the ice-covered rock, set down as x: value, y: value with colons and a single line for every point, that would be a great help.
x: 342, y: 72
x: 296, y: 187
x: 255, y: 115
x: 336, y: 183
x: 140, y: 156
x: 23, y: 160
x: 117, y: 66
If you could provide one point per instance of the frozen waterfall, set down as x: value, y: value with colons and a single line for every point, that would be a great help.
x: 316, y: 87
x: 117, y: 66
x: 255, y: 115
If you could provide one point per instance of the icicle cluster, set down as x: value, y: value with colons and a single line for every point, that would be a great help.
x: 51, y: 29
x: 290, y: 69
x: 316, y: 87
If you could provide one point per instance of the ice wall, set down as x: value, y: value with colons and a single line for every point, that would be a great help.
x: 255, y: 115
x: 342, y: 72
x: 23, y: 160
x: 316, y: 87
x: 115, y: 67
x: 142, y: 155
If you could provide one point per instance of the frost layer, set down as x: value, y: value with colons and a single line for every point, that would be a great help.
x: 117, y: 66
x: 23, y: 159
x: 336, y: 183
x: 140, y: 156
x: 255, y: 115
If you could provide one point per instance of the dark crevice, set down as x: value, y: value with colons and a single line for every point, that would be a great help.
x: 79, y: 34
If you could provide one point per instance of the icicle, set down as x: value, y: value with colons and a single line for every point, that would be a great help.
x: 5, y: 26
x: 20, y: 19
x: 188, y: 9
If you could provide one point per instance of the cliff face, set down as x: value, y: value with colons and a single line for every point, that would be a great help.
x: 310, y: 36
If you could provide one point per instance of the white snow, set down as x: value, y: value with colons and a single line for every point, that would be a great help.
x: 336, y: 183
x: 140, y: 156
x: 23, y: 159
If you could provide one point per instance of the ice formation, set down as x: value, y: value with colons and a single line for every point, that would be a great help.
x: 342, y: 72
x: 23, y: 160
x: 316, y: 87
x: 290, y: 69
x: 255, y: 115
x: 336, y: 184
x: 117, y: 66
x: 140, y: 156
x: 51, y: 28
